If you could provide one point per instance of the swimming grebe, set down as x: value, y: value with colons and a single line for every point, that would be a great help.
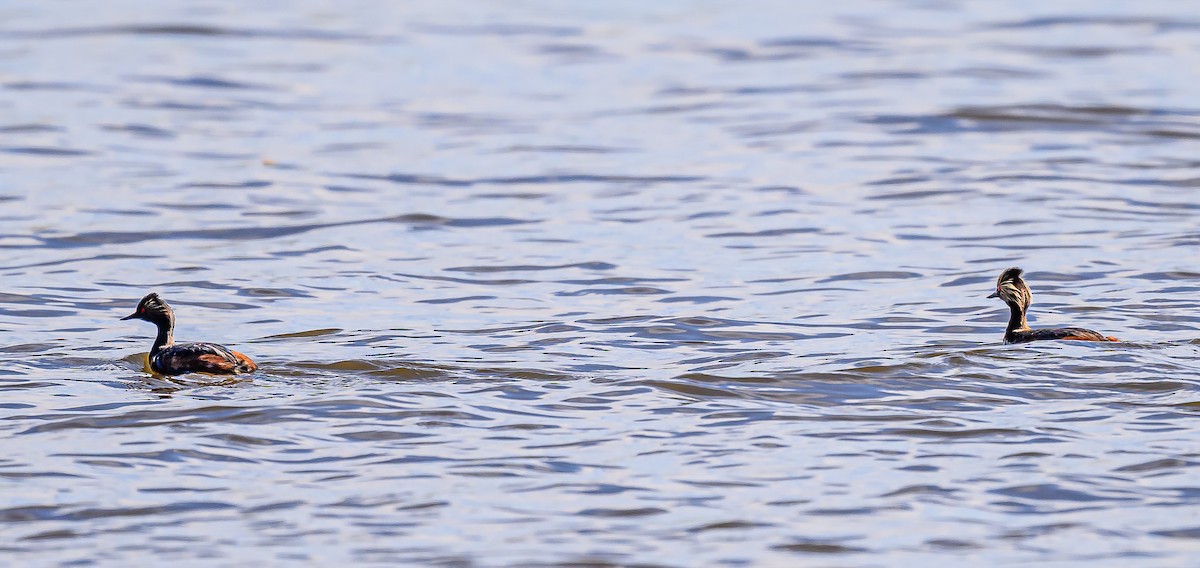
x: 1012, y: 289
x: 170, y: 359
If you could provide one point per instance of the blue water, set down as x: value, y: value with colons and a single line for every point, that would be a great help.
x: 541, y: 283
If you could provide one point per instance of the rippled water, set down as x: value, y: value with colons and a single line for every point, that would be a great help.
x: 542, y: 283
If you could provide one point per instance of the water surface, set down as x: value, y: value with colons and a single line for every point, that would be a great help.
x: 666, y: 284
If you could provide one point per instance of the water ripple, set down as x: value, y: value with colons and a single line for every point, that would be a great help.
x: 660, y: 284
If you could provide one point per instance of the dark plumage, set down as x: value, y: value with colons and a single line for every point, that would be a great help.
x: 1011, y: 288
x: 168, y: 358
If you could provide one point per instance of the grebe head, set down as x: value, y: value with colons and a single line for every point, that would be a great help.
x: 152, y: 309
x: 1012, y: 289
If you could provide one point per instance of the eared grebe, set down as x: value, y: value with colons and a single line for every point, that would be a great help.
x: 170, y: 359
x: 1012, y: 289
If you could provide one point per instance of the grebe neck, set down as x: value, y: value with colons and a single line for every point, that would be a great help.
x: 166, y: 335
x: 1016, y: 319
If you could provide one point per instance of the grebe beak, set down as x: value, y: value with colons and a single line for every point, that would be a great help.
x: 130, y: 316
x: 995, y: 295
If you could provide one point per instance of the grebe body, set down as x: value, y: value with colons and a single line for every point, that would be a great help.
x: 170, y: 358
x: 1011, y: 288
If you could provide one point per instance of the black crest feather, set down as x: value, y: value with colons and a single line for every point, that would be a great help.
x: 1013, y: 273
x: 151, y: 300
